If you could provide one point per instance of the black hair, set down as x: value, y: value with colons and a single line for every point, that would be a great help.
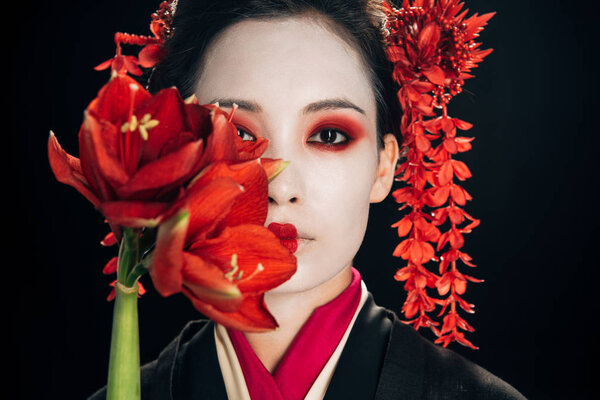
x: 359, y: 22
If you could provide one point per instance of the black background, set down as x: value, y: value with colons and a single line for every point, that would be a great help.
x: 534, y: 104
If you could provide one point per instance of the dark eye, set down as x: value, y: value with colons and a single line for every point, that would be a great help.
x: 330, y: 136
x: 245, y: 135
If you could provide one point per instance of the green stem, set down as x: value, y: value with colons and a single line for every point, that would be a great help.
x: 124, y: 363
x: 128, y: 254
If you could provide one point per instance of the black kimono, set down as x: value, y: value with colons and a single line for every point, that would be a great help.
x: 383, y: 359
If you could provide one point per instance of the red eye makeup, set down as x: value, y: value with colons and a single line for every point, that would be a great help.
x: 336, y: 133
x: 329, y: 131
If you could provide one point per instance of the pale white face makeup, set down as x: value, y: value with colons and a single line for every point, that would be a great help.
x: 292, y: 79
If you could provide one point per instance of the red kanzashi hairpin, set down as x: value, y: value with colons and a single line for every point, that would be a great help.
x: 433, y: 51
x: 153, y: 46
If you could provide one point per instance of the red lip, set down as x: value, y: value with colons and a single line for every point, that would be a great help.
x: 283, y: 231
x: 287, y: 234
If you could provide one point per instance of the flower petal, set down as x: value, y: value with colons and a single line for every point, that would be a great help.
x: 67, y: 169
x: 273, y: 167
x: 89, y: 164
x: 167, y: 259
x: 435, y: 75
x: 446, y: 172
x: 208, y: 205
x: 168, y: 108
x: 164, y: 173
x: 111, y: 266
x: 150, y: 55
x: 249, y: 150
x: 109, y: 240
x: 112, y: 103
x: 104, y: 65
x: 220, y: 145
x: 251, y: 206
x: 263, y: 261
x: 252, y: 316
x: 134, y: 214
x: 429, y: 36
x: 461, y: 170
x: 105, y: 139
x: 131, y: 64
x: 206, y: 282
x: 404, y: 226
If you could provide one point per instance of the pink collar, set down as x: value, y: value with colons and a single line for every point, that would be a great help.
x: 307, y: 355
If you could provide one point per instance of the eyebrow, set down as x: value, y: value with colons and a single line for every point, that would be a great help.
x: 327, y: 104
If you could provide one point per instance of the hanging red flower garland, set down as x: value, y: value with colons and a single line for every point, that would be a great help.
x: 433, y: 49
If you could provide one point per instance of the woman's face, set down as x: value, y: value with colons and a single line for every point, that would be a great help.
x: 305, y: 90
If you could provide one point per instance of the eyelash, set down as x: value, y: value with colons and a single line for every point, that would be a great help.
x: 242, y: 132
x: 334, y: 143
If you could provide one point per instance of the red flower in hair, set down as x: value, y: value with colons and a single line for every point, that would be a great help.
x: 433, y: 50
x: 153, y: 46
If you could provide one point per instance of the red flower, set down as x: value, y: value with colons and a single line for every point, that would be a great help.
x: 137, y: 150
x: 433, y: 51
x: 216, y: 249
x: 150, y: 54
x: 121, y: 64
x: 153, y: 46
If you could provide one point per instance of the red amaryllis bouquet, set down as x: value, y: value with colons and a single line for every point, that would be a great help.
x: 433, y: 49
x: 186, y: 200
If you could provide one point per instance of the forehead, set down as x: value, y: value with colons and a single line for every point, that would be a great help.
x: 292, y: 60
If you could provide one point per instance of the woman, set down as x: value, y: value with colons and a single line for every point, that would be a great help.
x: 312, y: 78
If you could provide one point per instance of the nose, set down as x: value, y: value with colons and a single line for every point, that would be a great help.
x: 286, y: 188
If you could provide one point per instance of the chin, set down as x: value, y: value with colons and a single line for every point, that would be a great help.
x: 306, y: 278
x: 297, y: 284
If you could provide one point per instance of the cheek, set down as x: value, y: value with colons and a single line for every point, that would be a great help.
x: 342, y: 188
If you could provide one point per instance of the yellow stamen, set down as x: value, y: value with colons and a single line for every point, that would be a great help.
x: 143, y: 132
x: 145, y: 124
x: 236, y: 274
x: 151, y: 124
x: 229, y: 275
x: 133, y: 124
x: 259, y: 268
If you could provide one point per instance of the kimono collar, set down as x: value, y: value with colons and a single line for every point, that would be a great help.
x: 307, y: 355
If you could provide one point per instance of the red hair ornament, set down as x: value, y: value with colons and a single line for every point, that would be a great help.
x: 433, y: 49
x: 153, y: 46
